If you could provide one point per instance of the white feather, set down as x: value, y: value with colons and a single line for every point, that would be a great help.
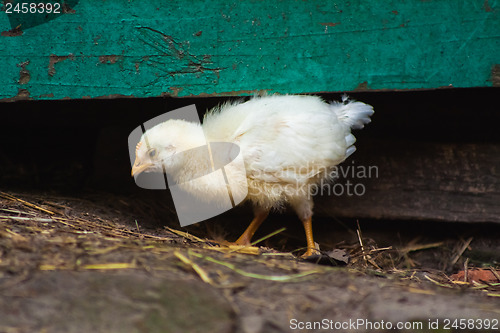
x: 354, y: 114
x: 288, y: 143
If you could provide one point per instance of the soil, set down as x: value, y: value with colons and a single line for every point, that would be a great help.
x: 100, y: 262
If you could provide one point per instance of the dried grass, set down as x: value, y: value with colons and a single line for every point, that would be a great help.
x: 45, y: 234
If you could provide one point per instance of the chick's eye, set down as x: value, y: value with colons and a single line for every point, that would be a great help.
x: 152, y: 153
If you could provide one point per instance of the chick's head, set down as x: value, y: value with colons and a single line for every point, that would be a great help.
x: 160, y: 147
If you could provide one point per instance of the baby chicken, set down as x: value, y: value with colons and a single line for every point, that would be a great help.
x: 289, y: 144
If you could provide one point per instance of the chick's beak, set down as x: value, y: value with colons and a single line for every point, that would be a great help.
x: 138, y: 167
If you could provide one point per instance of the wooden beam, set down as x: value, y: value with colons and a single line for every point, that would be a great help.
x: 154, y: 48
x: 419, y: 180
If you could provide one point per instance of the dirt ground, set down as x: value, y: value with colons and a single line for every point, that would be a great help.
x: 99, y: 262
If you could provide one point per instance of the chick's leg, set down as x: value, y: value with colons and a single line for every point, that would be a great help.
x: 304, y: 209
x: 311, y: 247
x: 259, y: 216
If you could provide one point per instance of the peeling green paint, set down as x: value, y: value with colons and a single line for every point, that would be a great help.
x: 24, y: 74
x: 155, y: 48
x: 495, y: 76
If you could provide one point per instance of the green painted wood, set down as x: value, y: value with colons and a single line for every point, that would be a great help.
x: 181, y: 48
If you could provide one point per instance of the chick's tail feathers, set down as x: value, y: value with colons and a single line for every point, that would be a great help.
x: 354, y: 114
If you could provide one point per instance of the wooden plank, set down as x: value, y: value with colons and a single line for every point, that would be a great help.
x: 152, y: 48
x: 419, y: 180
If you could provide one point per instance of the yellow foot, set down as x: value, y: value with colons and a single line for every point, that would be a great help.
x: 244, y: 240
x: 246, y: 237
x: 310, y: 252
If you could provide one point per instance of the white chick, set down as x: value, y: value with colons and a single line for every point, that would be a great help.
x: 289, y: 144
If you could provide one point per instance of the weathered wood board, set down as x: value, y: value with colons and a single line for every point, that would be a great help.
x: 418, y: 180
x: 179, y: 48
